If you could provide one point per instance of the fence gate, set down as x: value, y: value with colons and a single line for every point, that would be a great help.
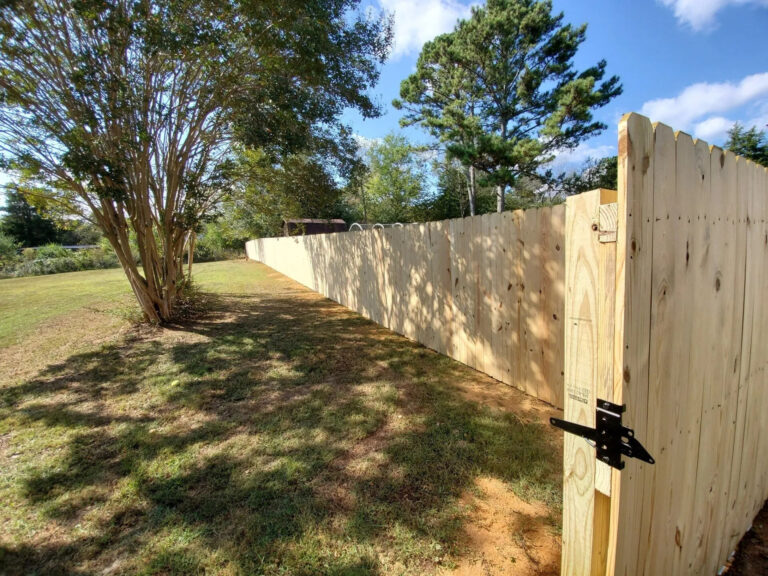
x: 667, y: 314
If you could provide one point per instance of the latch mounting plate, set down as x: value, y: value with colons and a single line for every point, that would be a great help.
x: 610, y: 437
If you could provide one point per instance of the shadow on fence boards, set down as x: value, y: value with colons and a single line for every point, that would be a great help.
x: 486, y: 290
x: 654, y: 296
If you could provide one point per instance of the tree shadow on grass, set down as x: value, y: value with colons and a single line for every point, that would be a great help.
x: 276, y: 435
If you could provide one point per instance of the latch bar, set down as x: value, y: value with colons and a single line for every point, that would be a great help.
x: 610, y: 438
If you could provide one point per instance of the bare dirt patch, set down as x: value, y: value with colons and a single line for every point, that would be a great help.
x: 506, y: 535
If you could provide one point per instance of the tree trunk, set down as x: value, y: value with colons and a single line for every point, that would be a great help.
x: 191, y: 253
x: 161, y: 279
x: 500, y: 188
x: 471, y: 191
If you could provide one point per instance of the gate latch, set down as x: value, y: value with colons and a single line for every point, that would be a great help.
x: 609, y: 438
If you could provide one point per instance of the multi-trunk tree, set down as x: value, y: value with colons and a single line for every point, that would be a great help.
x: 501, y: 90
x: 124, y: 111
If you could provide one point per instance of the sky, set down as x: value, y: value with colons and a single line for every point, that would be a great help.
x: 696, y: 65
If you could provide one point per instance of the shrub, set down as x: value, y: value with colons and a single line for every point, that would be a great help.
x: 92, y: 259
x: 52, y: 251
x: 9, y: 250
x: 211, y: 246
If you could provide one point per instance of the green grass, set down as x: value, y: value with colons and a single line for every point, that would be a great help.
x: 25, y: 303
x: 279, y: 434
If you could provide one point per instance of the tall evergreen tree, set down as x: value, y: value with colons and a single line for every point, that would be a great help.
x: 440, y: 96
x: 751, y: 143
x: 502, y: 92
x: 24, y: 224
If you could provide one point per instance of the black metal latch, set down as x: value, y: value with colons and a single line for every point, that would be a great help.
x: 610, y: 438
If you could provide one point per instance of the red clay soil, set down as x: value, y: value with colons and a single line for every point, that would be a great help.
x: 752, y: 554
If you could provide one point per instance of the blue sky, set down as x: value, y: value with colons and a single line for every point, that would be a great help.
x: 697, y: 65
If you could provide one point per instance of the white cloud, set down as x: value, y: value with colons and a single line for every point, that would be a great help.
x: 419, y: 22
x: 700, y: 108
x: 713, y: 129
x: 569, y: 160
x: 364, y: 142
x: 700, y: 14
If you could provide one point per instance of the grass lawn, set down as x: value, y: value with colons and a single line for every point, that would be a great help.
x: 278, y: 434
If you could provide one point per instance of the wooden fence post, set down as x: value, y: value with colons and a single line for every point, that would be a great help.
x: 589, y: 315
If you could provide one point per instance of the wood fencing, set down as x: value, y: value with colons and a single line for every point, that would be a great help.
x: 654, y: 296
x: 487, y: 290
x: 674, y: 324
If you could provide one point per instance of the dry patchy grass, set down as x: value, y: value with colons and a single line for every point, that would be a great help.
x: 279, y: 434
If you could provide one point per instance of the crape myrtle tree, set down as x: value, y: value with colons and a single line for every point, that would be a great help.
x: 124, y: 111
x: 502, y: 91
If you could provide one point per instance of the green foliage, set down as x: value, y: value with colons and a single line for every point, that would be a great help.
x: 270, y: 190
x: 79, y: 233
x: 215, y: 244
x: 53, y: 259
x: 9, y: 249
x: 752, y: 143
x: 395, y: 180
x: 23, y: 222
x: 52, y: 251
x: 602, y: 173
x: 501, y: 91
x: 123, y: 112
x: 450, y: 200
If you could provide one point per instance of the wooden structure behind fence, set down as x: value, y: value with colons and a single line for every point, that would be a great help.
x: 683, y: 342
x: 485, y: 290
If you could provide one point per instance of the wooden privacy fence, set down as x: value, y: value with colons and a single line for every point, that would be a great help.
x: 486, y: 290
x: 654, y: 296
x: 672, y: 321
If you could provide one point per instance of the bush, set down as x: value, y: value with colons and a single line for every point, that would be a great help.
x: 212, y: 254
x: 211, y: 246
x: 92, y: 259
x: 51, y: 251
x: 9, y: 250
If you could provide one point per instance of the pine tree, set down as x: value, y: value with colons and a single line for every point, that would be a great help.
x: 501, y: 90
x: 24, y: 224
x: 752, y: 143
